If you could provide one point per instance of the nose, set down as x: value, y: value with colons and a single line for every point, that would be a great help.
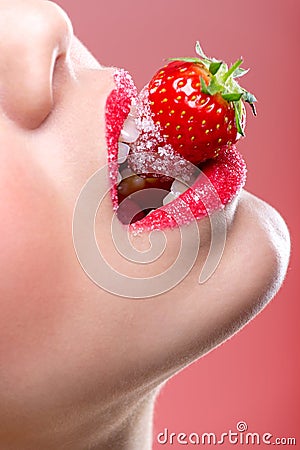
x: 33, y: 35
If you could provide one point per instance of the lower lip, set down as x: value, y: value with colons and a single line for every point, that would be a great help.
x: 227, y: 172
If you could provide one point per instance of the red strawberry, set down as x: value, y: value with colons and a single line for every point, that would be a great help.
x: 199, y: 105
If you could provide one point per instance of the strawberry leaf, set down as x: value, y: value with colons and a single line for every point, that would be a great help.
x: 232, y: 70
x: 215, y: 66
x: 204, y: 59
x: 214, y: 86
x: 200, y: 52
x: 248, y: 97
x: 251, y: 99
x: 238, y: 118
x: 204, y: 88
x: 239, y: 72
x: 223, y: 82
x: 233, y: 97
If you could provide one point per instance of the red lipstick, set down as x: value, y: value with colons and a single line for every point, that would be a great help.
x: 226, y: 175
x: 117, y: 109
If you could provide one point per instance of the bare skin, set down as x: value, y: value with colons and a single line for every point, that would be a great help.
x: 79, y: 367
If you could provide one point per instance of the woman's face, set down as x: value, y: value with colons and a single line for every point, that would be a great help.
x: 63, y: 340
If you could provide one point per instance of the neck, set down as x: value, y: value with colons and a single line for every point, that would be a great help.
x: 125, y: 425
x: 135, y: 433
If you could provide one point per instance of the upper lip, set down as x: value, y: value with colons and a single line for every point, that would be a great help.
x: 223, y: 177
x: 117, y: 109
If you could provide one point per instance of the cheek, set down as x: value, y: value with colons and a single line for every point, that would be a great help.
x: 31, y: 265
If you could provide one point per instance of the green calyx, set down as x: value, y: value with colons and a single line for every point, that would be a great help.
x: 223, y: 81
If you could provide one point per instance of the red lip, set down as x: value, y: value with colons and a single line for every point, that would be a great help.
x: 117, y: 110
x: 226, y: 173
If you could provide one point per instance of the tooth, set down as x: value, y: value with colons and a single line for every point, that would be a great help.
x: 123, y: 152
x: 150, y: 211
x: 119, y: 177
x: 127, y: 172
x: 129, y: 133
x: 178, y: 188
x: 133, y: 109
x: 169, y: 198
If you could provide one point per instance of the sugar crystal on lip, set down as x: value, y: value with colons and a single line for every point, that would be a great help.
x: 117, y: 109
x: 227, y: 176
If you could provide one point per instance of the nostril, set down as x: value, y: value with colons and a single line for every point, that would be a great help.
x: 35, y: 40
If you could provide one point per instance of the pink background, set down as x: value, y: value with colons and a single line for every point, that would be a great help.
x: 255, y: 376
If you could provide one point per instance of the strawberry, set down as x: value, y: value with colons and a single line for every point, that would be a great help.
x: 198, y: 105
